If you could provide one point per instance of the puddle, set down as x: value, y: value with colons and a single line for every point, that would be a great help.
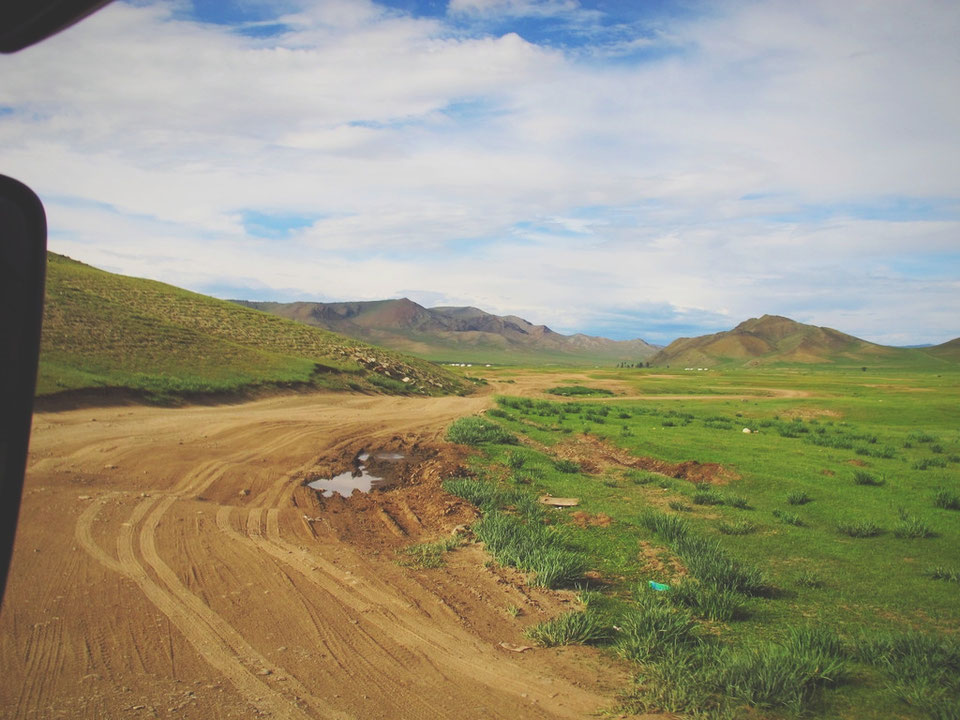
x: 369, y: 471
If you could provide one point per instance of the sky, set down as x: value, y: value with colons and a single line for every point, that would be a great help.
x: 649, y: 168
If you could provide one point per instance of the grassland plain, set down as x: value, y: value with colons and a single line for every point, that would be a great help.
x: 106, y: 331
x: 791, y: 614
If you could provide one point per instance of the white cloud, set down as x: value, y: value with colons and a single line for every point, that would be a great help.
x: 508, y: 175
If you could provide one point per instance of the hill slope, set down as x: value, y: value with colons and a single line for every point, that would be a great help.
x: 775, y: 339
x: 949, y: 350
x: 110, y: 331
x: 456, y: 333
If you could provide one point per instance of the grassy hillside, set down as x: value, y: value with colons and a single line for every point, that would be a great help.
x: 458, y: 334
x: 772, y: 340
x: 103, y: 330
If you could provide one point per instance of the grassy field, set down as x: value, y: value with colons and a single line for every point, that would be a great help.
x: 813, y: 564
x: 106, y: 331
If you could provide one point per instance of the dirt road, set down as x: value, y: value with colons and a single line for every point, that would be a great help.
x: 170, y: 563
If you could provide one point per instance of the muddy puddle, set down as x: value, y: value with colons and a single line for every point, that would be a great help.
x: 379, y: 469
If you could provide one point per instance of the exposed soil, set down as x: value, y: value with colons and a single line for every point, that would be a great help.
x: 594, y: 455
x: 172, y: 563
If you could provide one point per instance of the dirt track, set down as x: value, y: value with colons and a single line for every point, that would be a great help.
x: 169, y: 563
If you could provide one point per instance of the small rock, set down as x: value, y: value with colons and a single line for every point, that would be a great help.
x: 747, y: 431
x: 83, y: 497
x: 244, y: 492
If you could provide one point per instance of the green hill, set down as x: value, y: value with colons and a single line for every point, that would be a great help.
x: 776, y: 340
x: 102, y: 330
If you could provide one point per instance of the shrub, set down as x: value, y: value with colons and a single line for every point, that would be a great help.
x: 859, y: 529
x: 476, y: 430
x: 575, y: 628
x: 864, y: 478
x: 798, y: 497
x: 946, y: 499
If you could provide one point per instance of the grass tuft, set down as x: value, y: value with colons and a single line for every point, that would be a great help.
x: 864, y: 478
x: 428, y: 555
x: 575, y: 628
x: 788, y: 518
x: 477, y: 430
x: 740, y: 527
x: 707, y: 496
x: 860, y: 529
x: 798, y: 497
x: 946, y: 499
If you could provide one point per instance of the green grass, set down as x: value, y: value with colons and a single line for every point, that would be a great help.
x: 428, y: 555
x: 946, y: 499
x: 477, y: 430
x: 574, y: 628
x: 749, y: 583
x: 104, y: 332
x: 859, y: 529
x: 864, y: 478
x: 579, y: 390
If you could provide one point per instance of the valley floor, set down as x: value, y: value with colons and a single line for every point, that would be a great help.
x: 169, y: 562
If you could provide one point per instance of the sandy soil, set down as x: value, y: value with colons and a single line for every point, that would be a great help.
x: 170, y: 563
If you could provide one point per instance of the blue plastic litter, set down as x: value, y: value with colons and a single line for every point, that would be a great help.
x: 659, y: 586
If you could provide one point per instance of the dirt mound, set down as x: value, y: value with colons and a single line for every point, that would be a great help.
x: 594, y: 455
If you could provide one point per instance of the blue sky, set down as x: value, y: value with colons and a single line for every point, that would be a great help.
x: 632, y: 169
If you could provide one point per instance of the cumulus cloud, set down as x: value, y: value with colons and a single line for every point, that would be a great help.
x: 782, y: 157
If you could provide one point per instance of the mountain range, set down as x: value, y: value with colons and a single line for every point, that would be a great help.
x: 457, y: 333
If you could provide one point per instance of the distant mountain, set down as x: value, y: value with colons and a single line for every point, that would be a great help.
x: 456, y: 333
x: 773, y: 339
